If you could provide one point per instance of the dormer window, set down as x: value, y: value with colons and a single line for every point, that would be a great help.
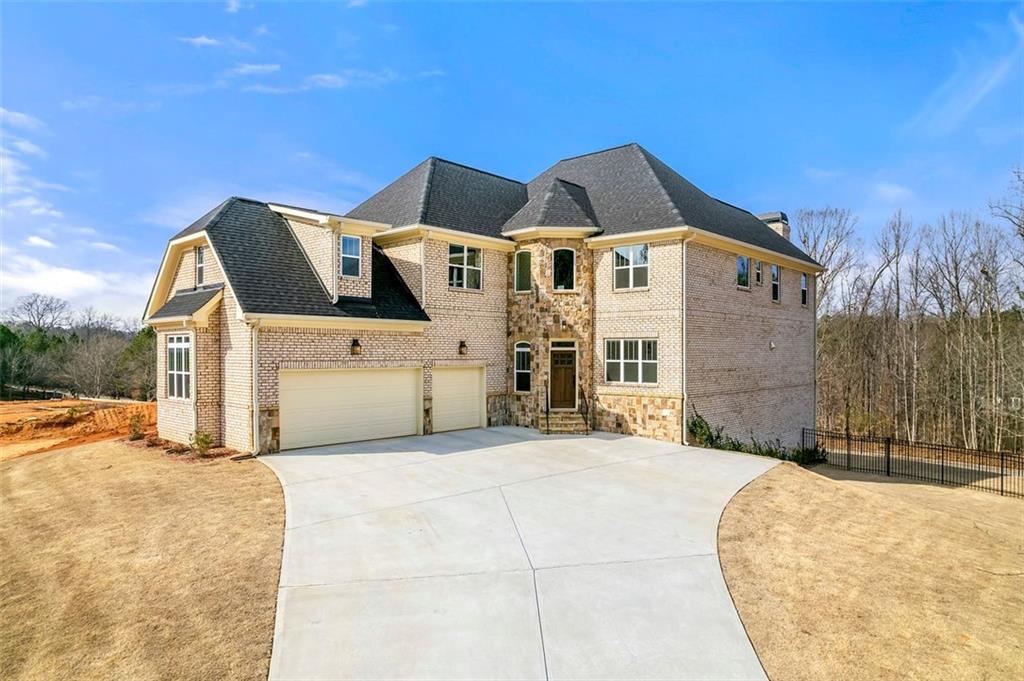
x: 563, y: 268
x: 200, y: 265
x: 351, y: 256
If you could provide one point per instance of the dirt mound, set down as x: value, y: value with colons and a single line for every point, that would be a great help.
x: 46, y: 426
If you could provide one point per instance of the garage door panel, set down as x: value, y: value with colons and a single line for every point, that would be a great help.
x: 347, y: 405
x: 458, y: 398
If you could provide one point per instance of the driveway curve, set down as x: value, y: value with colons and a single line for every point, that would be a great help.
x: 502, y: 553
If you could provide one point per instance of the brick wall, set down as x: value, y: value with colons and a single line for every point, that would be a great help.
x: 318, y: 243
x: 735, y: 377
x: 236, y: 382
x: 359, y: 287
x: 175, y: 418
x: 654, y: 312
x: 406, y: 257
x: 208, y: 389
x: 185, y: 270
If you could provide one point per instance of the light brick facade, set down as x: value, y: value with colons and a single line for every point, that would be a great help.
x: 749, y: 361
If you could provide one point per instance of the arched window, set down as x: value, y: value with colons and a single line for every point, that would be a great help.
x: 563, y: 269
x: 523, y: 279
x: 522, y: 367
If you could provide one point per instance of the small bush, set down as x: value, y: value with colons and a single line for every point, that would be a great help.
x: 706, y: 435
x: 807, y: 456
x: 135, y: 427
x: 200, y: 443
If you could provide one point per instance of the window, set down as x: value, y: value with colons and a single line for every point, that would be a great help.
x: 200, y: 258
x: 465, y: 267
x: 742, y: 271
x: 179, y: 367
x: 351, y: 256
x: 522, y: 368
x: 758, y: 278
x: 564, y: 269
x: 775, y: 283
x: 631, y: 361
x: 803, y: 290
x: 630, y: 266
x: 523, y: 282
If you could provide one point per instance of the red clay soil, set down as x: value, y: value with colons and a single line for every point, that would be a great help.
x: 38, y: 426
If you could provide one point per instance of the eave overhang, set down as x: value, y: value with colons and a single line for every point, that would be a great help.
x: 541, y: 232
x: 321, y: 322
x: 454, y: 236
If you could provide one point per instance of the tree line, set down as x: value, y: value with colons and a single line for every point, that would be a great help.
x: 921, y: 331
x: 45, y: 345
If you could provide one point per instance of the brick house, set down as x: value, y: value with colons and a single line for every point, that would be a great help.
x: 608, y: 288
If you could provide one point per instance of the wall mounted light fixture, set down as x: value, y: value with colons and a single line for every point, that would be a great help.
x: 463, y: 348
x: 357, y: 349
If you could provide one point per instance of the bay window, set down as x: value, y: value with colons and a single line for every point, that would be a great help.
x: 563, y: 268
x: 522, y: 272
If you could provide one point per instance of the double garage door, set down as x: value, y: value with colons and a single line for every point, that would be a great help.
x: 321, y: 407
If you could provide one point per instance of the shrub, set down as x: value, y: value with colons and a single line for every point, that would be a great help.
x: 807, y: 456
x: 200, y: 443
x: 706, y: 435
x: 135, y: 427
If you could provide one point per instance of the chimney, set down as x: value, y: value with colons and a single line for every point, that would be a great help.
x: 778, y: 222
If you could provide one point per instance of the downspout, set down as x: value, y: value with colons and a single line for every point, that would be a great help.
x: 686, y: 440
x: 255, y: 435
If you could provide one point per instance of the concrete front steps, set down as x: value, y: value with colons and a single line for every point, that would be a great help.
x: 563, y: 423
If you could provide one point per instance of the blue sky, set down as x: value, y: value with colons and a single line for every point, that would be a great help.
x: 122, y: 123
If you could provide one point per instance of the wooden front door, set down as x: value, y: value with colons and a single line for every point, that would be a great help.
x: 563, y: 379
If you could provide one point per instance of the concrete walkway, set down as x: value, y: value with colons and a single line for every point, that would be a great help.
x: 501, y: 553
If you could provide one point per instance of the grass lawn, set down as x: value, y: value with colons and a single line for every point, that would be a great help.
x: 121, y: 562
x: 857, y: 577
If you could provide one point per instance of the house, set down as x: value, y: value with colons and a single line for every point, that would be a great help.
x: 607, y: 289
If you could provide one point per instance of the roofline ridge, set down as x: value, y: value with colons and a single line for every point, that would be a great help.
x: 215, y: 220
x: 564, y: 181
x: 645, y: 155
x: 599, y: 151
x: 425, y: 196
x: 478, y: 170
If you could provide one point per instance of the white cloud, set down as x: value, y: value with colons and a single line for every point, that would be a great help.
x: 39, y: 242
x: 87, y: 231
x: 109, y: 292
x: 35, y: 206
x: 892, y: 192
x: 86, y: 102
x: 17, y: 119
x: 252, y: 69
x: 201, y: 41
x: 233, y: 6
x: 977, y: 75
x: 261, y: 30
x: 104, y: 246
x: 29, y: 148
x: 329, y: 81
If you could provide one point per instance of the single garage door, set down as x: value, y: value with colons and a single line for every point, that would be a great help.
x: 347, y: 405
x: 458, y: 398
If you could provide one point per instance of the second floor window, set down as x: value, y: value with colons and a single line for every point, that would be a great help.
x: 631, y: 360
x: 522, y: 368
x: 743, y: 271
x: 563, y: 268
x: 179, y: 367
x: 465, y: 267
x: 351, y: 256
x: 776, y: 286
x: 522, y: 273
x: 758, y: 274
x: 630, y: 266
x: 803, y: 289
x: 200, y: 265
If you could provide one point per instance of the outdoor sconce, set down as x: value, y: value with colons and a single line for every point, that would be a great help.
x: 463, y: 349
x: 771, y: 345
x: 357, y: 349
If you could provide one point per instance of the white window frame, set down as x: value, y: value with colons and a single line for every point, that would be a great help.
x: 758, y: 273
x: 631, y: 266
x: 776, y: 281
x: 641, y: 359
x: 200, y: 265
x: 342, y: 256
x: 522, y: 347
x: 739, y: 259
x: 803, y: 289
x: 563, y: 290
x: 179, y: 353
x: 529, y: 272
x: 466, y: 268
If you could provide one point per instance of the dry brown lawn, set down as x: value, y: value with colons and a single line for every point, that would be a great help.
x: 119, y: 562
x: 862, y: 578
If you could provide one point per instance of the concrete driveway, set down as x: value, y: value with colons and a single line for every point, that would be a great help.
x: 501, y: 553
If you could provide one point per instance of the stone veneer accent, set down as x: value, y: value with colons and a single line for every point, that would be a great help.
x: 543, y: 315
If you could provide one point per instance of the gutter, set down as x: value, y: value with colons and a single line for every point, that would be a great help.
x: 255, y: 433
x: 686, y: 398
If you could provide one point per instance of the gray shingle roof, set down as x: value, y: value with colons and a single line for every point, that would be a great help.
x: 186, y: 302
x: 564, y: 204
x: 269, y: 273
x: 445, y: 194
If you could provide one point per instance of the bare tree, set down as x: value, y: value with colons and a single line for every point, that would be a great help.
x: 827, y: 235
x: 40, y: 312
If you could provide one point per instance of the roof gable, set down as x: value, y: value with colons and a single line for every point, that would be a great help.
x: 563, y: 204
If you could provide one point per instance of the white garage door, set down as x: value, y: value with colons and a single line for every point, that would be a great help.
x: 347, y: 405
x: 458, y: 398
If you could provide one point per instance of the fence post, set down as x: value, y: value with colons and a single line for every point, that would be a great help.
x: 1002, y: 472
x: 888, y: 453
x: 942, y: 465
x: 847, y: 450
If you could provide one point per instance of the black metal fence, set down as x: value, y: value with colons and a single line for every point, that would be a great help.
x: 999, y: 472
